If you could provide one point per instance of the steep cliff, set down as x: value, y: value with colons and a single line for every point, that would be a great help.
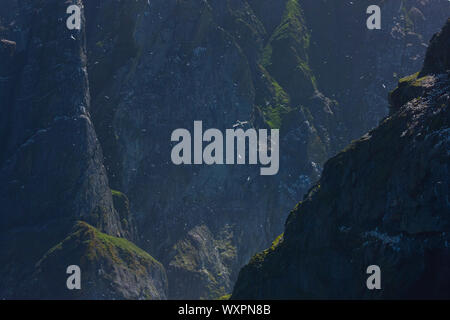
x: 382, y: 201
x: 179, y: 61
x: 87, y: 118
x: 155, y: 67
x: 51, y: 163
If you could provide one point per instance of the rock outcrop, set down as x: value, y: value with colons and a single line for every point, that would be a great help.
x: 112, y: 268
x: 382, y: 201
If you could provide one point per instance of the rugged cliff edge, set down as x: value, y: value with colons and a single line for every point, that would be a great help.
x: 383, y: 201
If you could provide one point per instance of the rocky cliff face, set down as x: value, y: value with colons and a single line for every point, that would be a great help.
x: 358, y: 67
x: 51, y: 164
x: 223, y: 61
x: 86, y: 112
x: 382, y: 201
x: 197, y: 60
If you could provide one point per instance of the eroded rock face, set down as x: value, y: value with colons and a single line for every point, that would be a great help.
x: 383, y: 201
x: 51, y: 164
x: 201, y: 261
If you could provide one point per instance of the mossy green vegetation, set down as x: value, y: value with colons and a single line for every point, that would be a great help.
x: 275, y: 115
x: 277, y: 241
x: 285, y: 68
x: 93, y: 245
x: 116, y: 193
x: 409, y: 78
x: 121, y: 203
x: 286, y: 54
x: 291, y: 27
x: 275, y: 106
x: 111, y: 265
x: 409, y: 88
x: 413, y: 80
x: 259, y: 257
x: 120, y: 244
x: 122, y: 206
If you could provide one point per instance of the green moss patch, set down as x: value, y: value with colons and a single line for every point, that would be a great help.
x: 90, y: 245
